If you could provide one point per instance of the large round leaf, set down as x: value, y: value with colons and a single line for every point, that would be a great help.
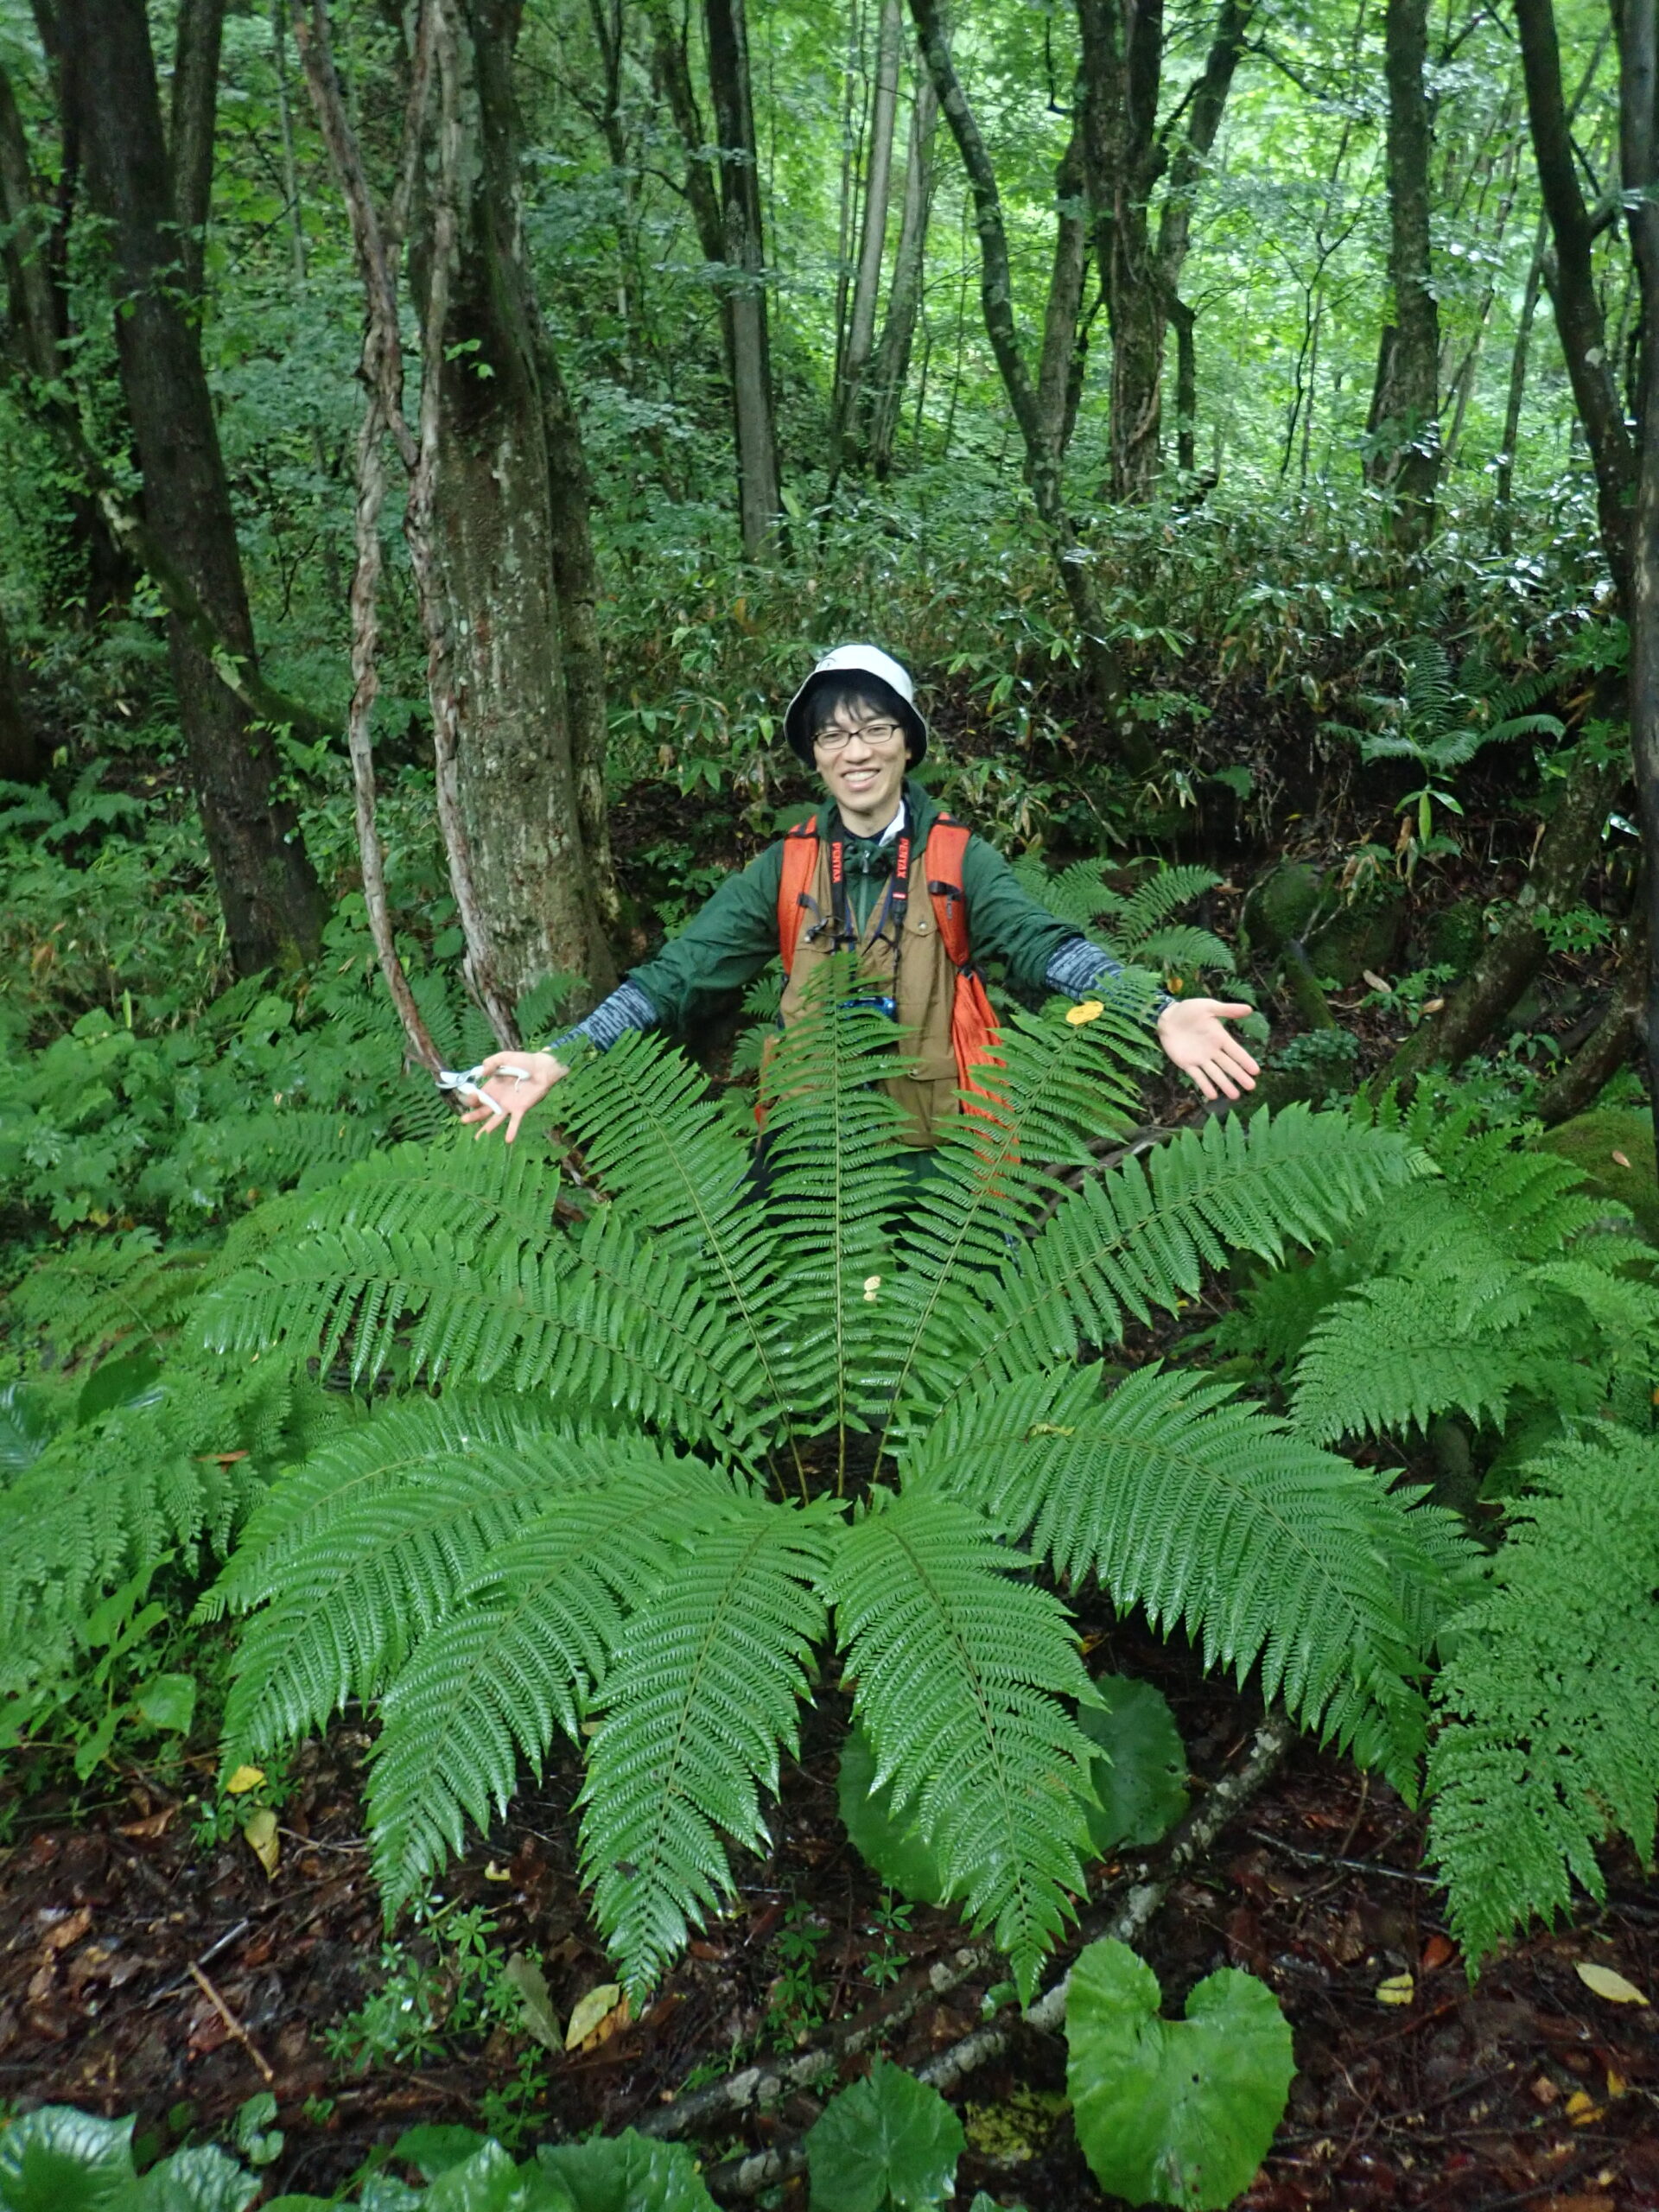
x: 894, y: 1848
x: 56, y: 2159
x: 628, y: 2173
x: 1141, y: 1781
x: 889, y: 2140
x: 1173, y: 2112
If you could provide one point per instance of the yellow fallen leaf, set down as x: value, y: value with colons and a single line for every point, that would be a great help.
x: 1616, y: 2084
x: 494, y: 1873
x: 262, y: 1840
x: 1089, y: 1010
x: 1605, y: 1983
x: 1398, y: 1989
x: 1622, y: 1159
x: 1375, y: 981
x: 1433, y: 1006
x: 244, y: 1778
x: 1581, y: 2108
x: 590, y: 2011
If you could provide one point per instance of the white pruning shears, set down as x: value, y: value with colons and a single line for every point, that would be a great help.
x: 467, y: 1083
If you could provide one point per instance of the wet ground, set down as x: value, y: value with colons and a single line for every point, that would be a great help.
x: 142, y: 1970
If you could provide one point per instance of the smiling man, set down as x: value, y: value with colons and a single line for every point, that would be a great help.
x: 882, y: 870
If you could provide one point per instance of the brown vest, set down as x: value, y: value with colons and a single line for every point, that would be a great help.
x: 924, y: 990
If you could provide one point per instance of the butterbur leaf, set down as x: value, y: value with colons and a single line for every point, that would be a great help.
x: 169, y: 1701
x: 435, y: 2146
x: 203, y: 2180
x: 1142, y: 1782
x: 1173, y: 2112
x: 625, y: 2173
x: 56, y: 2159
x: 894, y: 1848
x: 888, y: 2140
x: 491, y: 2180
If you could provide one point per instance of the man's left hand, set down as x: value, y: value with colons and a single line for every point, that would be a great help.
x: 1193, y: 1034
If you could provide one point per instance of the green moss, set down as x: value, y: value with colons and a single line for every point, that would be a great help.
x: 1457, y: 936
x: 1279, y: 906
x: 1010, y: 2133
x: 1592, y: 1141
x: 1361, y: 934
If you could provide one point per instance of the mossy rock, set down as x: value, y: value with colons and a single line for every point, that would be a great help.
x: 1279, y: 906
x: 1590, y: 1141
x: 1457, y: 936
x: 1363, y: 933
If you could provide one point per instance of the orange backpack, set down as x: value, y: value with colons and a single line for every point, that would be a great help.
x: 973, y: 1025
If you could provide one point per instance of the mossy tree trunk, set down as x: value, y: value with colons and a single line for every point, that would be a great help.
x: 1405, y: 429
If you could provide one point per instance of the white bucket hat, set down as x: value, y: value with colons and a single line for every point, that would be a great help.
x: 857, y: 660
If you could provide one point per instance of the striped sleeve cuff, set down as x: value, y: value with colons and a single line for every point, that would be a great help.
x: 627, y: 1008
x: 1078, y: 967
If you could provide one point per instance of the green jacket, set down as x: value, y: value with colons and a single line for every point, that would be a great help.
x: 726, y: 944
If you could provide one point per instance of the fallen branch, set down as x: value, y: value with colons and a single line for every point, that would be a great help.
x: 233, y: 2025
x: 1150, y: 1882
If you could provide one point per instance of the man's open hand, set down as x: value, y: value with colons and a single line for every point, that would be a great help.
x: 1194, y: 1035
x: 511, y: 1099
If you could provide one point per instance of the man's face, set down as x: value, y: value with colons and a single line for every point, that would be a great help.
x: 861, y: 755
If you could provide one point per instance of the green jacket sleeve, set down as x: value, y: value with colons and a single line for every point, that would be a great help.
x: 1007, y: 922
x: 723, y: 947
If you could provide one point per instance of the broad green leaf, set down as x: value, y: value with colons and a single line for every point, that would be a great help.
x: 1173, y: 2112
x: 628, y: 2173
x: 437, y: 2146
x: 56, y: 2159
x: 26, y: 1428
x: 894, y: 1849
x: 127, y: 1382
x: 888, y: 2140
x: 203, y: 2180
x: 493, y: 2181
x: 1142, y: 1782
x: 169, y: 1701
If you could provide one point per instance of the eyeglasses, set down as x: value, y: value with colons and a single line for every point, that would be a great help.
x: 878, y: 734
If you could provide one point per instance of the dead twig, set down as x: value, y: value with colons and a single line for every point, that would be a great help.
x: 232, y: 2023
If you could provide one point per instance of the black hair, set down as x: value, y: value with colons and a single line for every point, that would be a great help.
x: 855, y: 691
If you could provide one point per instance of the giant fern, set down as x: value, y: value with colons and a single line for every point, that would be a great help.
x: 726, y: 1405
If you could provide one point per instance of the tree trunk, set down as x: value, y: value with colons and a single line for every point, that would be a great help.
x: 867, y: 286
x: 607, y: 21
x: 272, y: 909
x: 1638, y: 57
x: 1122, y: 45
x: 1043, y: 460
x: 1503, y: 486
x: 190, y: 132
x: 1059, y: 370
x: 883, y: 391
x: 1580, y: 1083
x: 499, y: 545
x: 1186, y: 385
x: 1405, y: 459
x: 744, y: 253
x: 21, y: 760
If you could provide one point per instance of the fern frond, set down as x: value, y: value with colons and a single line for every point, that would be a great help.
x: 524, y: 1647
x: 363, y: 1551
x: 697, y: 1708
x: 1152, y: 902
x: 1139, y: 1238
x: 1545, y: 1708
x: 835, y: 1171
x: 1209, y: 1513
x: 1056, y: 1085
x: 960, y: 1672
x: 1182, y: 947
x: 1396, y: 1353
x: 100, y: 1291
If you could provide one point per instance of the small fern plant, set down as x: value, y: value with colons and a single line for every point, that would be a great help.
x: 1139, y: 926
x: 670, y: 1434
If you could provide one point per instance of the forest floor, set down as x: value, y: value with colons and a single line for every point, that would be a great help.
x: 142, y: 1970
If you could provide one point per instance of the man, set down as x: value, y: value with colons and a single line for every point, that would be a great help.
x: 881, y: 869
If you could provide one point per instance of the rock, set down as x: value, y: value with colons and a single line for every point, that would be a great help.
x: 1363, y: 932
x: 1457, y: 936
x: 1279, y: 906
x: 1590, y: 1140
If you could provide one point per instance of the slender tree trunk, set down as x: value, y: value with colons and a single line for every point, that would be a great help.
x: 500, y: 544
x: 20, y: 752
x: 607, y: 21
x: 1043, y: 460
x: 883, y: 393
x: 1058, y: 370
x: 272, y: 910
x: 744, y: 241
x: 878, y: 177
x: 1639, y: 56
x: 1405, y: 403
x: 1503, y: 486
x: 1186, y: 385
x: 190, y: 129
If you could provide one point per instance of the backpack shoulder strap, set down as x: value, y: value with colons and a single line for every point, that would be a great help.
x: 795, y: 886
x: 947, y: 841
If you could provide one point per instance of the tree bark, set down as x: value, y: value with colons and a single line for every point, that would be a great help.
x: 272, y: 907
x: 499, y: 545
x: 744, y: 253
x: 1503, y: 484
x: 1187, y: 383
x: 1580, y: 1083
x: 190, y: 132
x: 878, y: 178
x: 1638, y: 57
x: 1126, y: 155
x: 1405, y: 459
x: 883, y: 393
x: 1060, y: 370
